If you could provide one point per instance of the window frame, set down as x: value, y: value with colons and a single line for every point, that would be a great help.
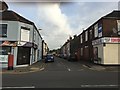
x: 96, y: 30
x: 1, y: 28
x: 23, y: 29
x: 81, y: 40
x: 118, y: 25
x: 86, y: 36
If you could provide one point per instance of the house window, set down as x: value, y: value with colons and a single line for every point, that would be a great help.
x: 96, y: 30
x: 118, y: 24
x: 90, y: 34
x: 34, y: 35
x: 86, y: 35
x: 81, y: 51
x: 25, y: 34
x: 3, y: 30
x: 81, y: 39
x: 100, y: 30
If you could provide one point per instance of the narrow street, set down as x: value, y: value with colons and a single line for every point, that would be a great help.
x: 62, y: 74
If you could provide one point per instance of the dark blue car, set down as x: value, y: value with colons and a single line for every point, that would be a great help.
x: 49, y: 58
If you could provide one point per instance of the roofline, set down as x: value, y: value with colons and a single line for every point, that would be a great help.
x: 99, y: 20
x: 19, y: 18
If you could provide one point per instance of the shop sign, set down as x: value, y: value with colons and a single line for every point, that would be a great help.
x: 100, y: 30
x: 3, y: 58
x: 106, y: 40
x: 8, y: 43
x: 98, y: 41
x: 115, y: 40
x: 112, y: 40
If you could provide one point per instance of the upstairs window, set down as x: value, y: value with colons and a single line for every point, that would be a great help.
x: 81, y: 39
x: 91, y: 34
x: 25, y: 34
x: 34, y: 36
x: 96, y: 30
x: 118, y: 24
x: 100, y: 30
x: 3, y: 30
x: 86, y: 36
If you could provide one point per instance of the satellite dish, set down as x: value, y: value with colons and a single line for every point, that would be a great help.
x: 118, y: 32
x: 114, y: 30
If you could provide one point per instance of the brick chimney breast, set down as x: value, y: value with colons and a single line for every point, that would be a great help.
x: 3, y: 6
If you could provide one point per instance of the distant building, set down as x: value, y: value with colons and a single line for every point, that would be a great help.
x: 65, y: 50
x: 100, y: 42
x: 20, y: 37
x: 45, y: 49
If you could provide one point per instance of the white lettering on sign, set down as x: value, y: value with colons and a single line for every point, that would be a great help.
x: 3, y: 58
x: 115, y: 40
x: 106, y: 40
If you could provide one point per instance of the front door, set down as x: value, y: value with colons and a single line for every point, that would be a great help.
x: 23, y: 55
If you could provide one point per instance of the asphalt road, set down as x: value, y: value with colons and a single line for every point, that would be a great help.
x: 62, y: 74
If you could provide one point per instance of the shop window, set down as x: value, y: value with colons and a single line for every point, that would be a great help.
x: 3, y: 30
x: 5, y: 50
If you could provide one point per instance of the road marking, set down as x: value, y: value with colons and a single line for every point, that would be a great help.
x: 18, y: 87
x: 80, y: 69
x: 99, y: 85
x: 85, y: 66
x: 42, y: 69
x: 69, y: 69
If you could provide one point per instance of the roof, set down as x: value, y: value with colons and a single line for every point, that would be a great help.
x: 12, y: 16
x: 114, y: 14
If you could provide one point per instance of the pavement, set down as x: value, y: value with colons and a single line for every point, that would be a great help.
x: 99, y: 67
x: 40, y: 66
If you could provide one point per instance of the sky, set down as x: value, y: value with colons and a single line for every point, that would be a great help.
x: 60, y: 20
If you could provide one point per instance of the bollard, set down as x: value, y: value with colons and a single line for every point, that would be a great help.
x: 10, y: 61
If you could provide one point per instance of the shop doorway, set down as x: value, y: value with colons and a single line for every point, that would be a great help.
x: 23, y: 55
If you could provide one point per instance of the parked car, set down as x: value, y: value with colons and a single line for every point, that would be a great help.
x: 49, y: 58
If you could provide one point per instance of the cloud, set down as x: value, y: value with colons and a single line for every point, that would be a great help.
x: 89, y: 12
x: 55, y: 25
x: 59, y: 20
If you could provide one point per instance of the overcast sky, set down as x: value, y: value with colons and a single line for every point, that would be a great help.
x: 58, y: 20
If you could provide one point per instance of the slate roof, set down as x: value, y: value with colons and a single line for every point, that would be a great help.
x: 114, y: 14
x: 9, y: 15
